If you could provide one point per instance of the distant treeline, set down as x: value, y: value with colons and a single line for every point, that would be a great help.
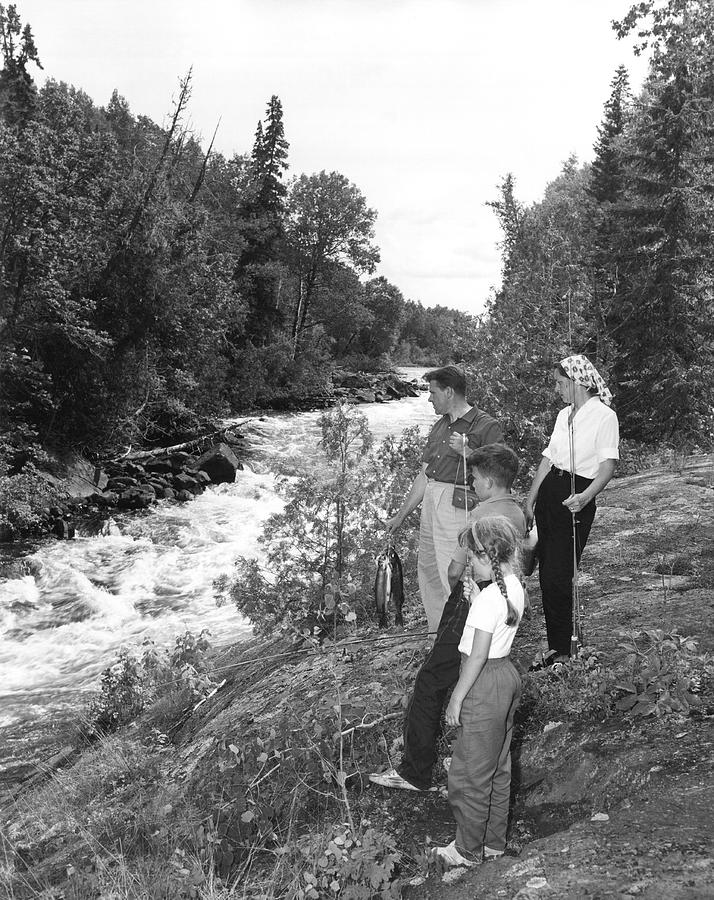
x: 146, y: 279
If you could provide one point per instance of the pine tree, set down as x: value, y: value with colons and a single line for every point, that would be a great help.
x: 269, y: 160
x: 605, y: 187
x: 260, y: 273
x: 18, y: 93
x: 662, y: 319
x: 607, y: 168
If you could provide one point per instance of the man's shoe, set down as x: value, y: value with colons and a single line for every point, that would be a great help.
x: 450, y: 857
x: 489, y: 853
x: 392, y: 779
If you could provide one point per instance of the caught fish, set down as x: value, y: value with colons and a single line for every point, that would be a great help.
x: 389, y: 587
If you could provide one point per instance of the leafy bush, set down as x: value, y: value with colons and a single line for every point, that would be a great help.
x: 24, y: 499
x: 665, y: 674
x: 357, y: 866
x: 133, y: 682
x: 578, y: 687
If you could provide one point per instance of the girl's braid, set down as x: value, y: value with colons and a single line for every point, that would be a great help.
x: 512, y: 616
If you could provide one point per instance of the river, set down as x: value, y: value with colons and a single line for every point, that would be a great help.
x: 148, y: 576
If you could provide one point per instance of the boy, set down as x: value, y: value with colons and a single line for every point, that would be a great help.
x: 492, y: 469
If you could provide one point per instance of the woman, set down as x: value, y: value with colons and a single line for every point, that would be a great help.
x: 584, y: 442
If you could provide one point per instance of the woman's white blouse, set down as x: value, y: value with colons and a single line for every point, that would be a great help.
x: 596, y: 437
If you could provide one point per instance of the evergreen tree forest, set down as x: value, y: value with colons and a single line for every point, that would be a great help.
x: 147, y: 281
x: 617, y: 260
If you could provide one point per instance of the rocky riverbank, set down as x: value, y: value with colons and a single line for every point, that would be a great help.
x: 84, y: 492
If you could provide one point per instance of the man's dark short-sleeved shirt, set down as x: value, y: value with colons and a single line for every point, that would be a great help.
x: 442, y: 461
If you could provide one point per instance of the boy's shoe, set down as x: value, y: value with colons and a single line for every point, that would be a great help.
x: 489, y: 853
x: 446, y: 763
x: 392, y: 779
x: 449, y: 856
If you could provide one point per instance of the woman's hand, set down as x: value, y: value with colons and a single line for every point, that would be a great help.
x: 453, y: 712
x: 576, y: 502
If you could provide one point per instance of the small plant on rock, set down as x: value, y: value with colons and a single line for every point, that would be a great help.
x: 665, y: 674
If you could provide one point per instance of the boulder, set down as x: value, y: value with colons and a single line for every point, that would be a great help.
x: 220, y: 464
x: 185, y: 482
x: 159, y: 467
x: 75, y: 475
x: 121, y: 481
x: 140, y: 497
x: 63, y: 529
x: 168, y: 493
x: 355, y: 381
x: 184, y: 495
x: 110, y: 498
x: 180, y: 460
x: 158, y: 481
x: 8, y: 533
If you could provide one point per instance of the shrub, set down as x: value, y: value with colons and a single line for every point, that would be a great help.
x: 666, y: 673
x: 24, y: 499
x: 578, y: 687
x: 355, y: 866
x: 133, y: 682
x: 319, y: 572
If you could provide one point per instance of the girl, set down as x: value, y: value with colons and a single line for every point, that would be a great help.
x: 484, y: 700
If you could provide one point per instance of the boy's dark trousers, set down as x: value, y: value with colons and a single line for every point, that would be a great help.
x: 438, y: 674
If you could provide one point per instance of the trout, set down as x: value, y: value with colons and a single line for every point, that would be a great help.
x: 389, y: 587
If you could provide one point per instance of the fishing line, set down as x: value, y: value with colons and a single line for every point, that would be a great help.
x: 466, y: 497
x: 314, y: 651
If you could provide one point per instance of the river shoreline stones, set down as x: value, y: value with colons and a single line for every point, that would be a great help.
x: 137, y: 482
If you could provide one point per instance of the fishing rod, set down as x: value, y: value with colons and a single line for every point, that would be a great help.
x: 576, y: 637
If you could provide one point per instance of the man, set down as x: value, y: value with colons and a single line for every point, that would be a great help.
x: 461, y: 428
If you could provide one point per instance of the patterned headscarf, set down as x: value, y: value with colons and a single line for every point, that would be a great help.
x: 580, y: 370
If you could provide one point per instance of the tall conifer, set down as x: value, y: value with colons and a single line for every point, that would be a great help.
x: 18, y: 93
x: 260, y: 273
x: 662, y: 318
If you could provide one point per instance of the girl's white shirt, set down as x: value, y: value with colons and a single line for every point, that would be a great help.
x: 488, y: 613
x: 596, y: 437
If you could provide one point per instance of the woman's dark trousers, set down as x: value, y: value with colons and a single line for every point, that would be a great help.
x: 437, y: 676
x: 555, y: 553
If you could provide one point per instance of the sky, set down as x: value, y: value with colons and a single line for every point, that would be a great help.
x: 425, y: 105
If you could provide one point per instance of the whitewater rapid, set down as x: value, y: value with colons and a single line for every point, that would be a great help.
x: 150, y: 575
